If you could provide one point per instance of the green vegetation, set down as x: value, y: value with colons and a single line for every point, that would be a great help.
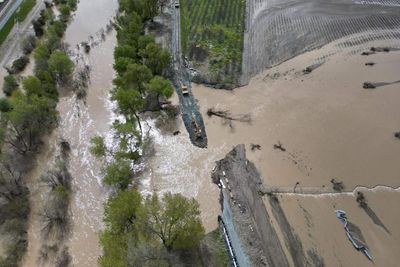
x: 10, y: 85
x: 149, y: 232
x: 27, y: 115
x: 212, y: 33
x: 60, y: 65
x: 141, y: 231
x: 19, y: 15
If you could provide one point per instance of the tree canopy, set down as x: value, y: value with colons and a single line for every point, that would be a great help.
x: 155, y: 58
x: 119, y: 173
x: 60, y: 65
x: 10, y: 85
x: 174, y: 219
x: 137, y: 228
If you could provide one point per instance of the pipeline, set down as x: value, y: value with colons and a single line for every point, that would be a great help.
x: 227, y: 241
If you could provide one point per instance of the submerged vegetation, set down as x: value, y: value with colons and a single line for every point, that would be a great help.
x: 28, y: 114
x: 141, y: 230
x: 212, y: 38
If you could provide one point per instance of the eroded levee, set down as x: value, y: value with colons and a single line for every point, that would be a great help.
x: 254, y: 239
x: 279, y: 30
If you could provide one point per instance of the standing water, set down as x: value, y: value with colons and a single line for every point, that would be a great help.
x: 79, y: 121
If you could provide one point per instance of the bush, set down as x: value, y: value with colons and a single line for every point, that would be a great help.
x: 65, y: 12
x: 19, y: 64
x: 5, y: 105
x: 10, y: 85
x: 29, y: 44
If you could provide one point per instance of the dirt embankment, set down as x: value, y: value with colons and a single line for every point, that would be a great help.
x: 239, y: 179
x: 251, y: 220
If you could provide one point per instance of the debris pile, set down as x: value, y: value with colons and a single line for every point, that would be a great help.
x: 353, y: 233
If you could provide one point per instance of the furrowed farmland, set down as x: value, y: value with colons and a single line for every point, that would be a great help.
x: 212, y: 38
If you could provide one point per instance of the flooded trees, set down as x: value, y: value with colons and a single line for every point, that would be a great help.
x: 173, y: 219
x: 160, y: 87
x: 120, y: 213
x: 137, y: 228
x: 29, y: 119
x: 14, y: 209
x: 140, y: 232
x: 60, y: 65
x: 119, y: 173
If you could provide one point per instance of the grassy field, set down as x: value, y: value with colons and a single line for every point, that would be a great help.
x: 19, y: 15
x: 214, y: 29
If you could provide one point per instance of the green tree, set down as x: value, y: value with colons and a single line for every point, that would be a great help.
x: 114, y: 249
x: 19, y: 64
x: 129, y: 140
x: 129, y: 28
x: 160, y: 87
x: 174, y: 219
x: 150, y: 9
x: 120, y: 211
x: 28, y: 44
x: 130, y: 102
x: 65, y: 12
x: 135, y: 77
x: 5, y: 105
x: 145, y: 40
x: 49, y: 88
x: 60, y: 65
x: 32, y: 85
x: 10, y: 85
x: 57, y: 28
x: 98, y: 148
x: 119, y: 173
x: 155, y: 57
x: 121, y: 64
x: 125, y: 51
x: 130, y: 6
x: 41, y: 55
x: 30, y: 118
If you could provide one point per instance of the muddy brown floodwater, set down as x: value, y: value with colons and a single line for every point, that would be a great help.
x: 329, y: 125
x: 78, y: 123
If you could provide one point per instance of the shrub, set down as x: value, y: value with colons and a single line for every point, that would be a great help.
x: 19, y: 64
x: 28, y: 44
x: 10, y: 85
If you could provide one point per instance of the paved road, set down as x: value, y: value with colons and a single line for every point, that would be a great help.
x: 8, y: 11
x: 10, y: 49
x: 189, y: 109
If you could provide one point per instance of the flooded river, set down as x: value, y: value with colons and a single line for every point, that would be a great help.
x: 318, y: 123
x: 78, y: 123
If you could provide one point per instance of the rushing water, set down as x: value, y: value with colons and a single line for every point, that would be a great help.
x: 79, y: 121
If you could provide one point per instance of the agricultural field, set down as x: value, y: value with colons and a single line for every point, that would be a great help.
x: 212, y: 38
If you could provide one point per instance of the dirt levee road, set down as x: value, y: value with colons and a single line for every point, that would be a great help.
x: 279, y: 30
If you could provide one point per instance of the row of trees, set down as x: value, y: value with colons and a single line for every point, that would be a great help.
x: 27, y: 115
x: 152, y: 230
x: 29, y: 111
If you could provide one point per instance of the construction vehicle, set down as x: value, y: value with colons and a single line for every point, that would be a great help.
x: 185, y: 90
x: 197, y: 128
